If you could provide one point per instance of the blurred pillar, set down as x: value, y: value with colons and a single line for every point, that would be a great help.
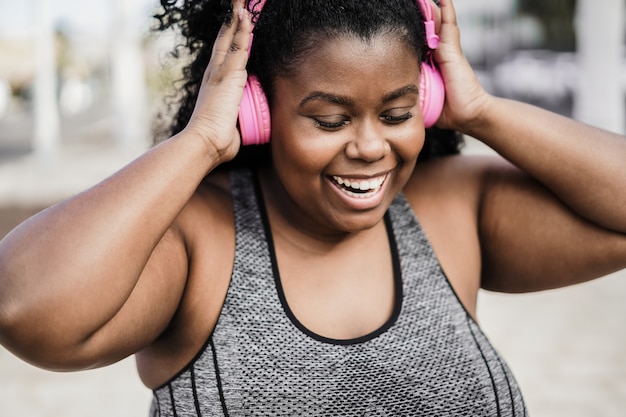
x: 47, y: 128
x: 600, y: 33
x: 128, y: 77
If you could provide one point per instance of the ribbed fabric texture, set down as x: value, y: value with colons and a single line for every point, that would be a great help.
x: 430, y: 359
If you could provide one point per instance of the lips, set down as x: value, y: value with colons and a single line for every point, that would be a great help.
x: 359, y: 188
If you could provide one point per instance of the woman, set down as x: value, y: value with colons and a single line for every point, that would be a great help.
x: 337, y: 277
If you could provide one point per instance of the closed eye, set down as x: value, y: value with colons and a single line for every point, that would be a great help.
x: 328, y: 125
x: 397, y: 119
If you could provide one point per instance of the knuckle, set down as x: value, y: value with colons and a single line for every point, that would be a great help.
x: 234, y: 47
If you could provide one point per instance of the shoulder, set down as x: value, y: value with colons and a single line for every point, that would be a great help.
x: 462, y: 178
x: 211, y: 206
x: 206, y: 223
x: 206, y: 238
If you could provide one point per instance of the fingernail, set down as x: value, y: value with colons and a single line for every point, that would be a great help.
x: 241, y: 13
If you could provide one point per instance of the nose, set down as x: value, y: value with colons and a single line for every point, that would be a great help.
x: 369, y: 142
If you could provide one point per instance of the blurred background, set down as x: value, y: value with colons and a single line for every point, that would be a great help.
x: 81, y: 84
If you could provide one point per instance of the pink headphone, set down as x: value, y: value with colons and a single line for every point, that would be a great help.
x: 254, y: 113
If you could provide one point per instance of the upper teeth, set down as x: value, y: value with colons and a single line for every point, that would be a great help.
x: 361, y: 185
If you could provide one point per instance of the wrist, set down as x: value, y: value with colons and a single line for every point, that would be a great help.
x: 480, y: 117
x: 201, y: 153
x: 216, y: 150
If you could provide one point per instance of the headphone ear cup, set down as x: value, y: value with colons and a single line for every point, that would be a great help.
x: 432, y: 93
x: 254, y: 114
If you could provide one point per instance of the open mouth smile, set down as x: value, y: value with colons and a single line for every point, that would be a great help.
x: 359, y: 188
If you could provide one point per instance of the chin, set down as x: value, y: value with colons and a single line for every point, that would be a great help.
x: 359, y: 221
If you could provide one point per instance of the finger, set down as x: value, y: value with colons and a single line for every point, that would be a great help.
x: 449, y: 33
x: 226, y: 34
x: 448, y: 13
x: 236, y: 57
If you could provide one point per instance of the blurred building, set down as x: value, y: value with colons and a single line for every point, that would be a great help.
x: 97, y: 66
x: 488, y: 29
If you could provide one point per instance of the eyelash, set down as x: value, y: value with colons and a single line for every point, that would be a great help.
x: 330, y: 126
x: 388, y: 119
x: 398, y: 119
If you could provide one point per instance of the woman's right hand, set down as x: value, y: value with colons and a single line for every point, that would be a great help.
x: 214, y: 119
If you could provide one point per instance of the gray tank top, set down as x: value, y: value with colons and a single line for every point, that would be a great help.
x: 429, y: 359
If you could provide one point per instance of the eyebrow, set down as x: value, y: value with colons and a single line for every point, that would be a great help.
x: 345, y: 101
x: 331, y: 98
x: 400, y: 92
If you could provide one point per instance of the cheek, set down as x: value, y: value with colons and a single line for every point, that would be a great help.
x: 417, y: 145
x: 298, y: 145
x: 301, y: 168
x: 409, y: 143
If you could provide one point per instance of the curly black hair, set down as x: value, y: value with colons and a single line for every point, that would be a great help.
x: 285, y: 32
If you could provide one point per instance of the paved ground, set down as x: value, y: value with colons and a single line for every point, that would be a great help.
x: 567, y: 347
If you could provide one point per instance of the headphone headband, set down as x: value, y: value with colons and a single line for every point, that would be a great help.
x: 426, y: 6
x: 428, y: 11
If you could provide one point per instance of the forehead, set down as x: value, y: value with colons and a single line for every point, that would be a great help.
x: 348, y: 61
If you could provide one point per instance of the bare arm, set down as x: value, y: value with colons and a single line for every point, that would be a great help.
x: 98, y: 276
x: 581, y: 164
x: 531, y: 240
x: 73, y: 268
x: 493, y: 225
x: 554, y: 216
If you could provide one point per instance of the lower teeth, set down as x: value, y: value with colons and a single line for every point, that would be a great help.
x: 358, y: 193
x: 355, y: 191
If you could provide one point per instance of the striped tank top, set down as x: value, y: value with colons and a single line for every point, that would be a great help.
x: 429, y: 359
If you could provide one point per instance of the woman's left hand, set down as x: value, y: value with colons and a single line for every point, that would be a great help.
x: 466, y: 100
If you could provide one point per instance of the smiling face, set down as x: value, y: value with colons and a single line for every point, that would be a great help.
x: 346, y: 132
